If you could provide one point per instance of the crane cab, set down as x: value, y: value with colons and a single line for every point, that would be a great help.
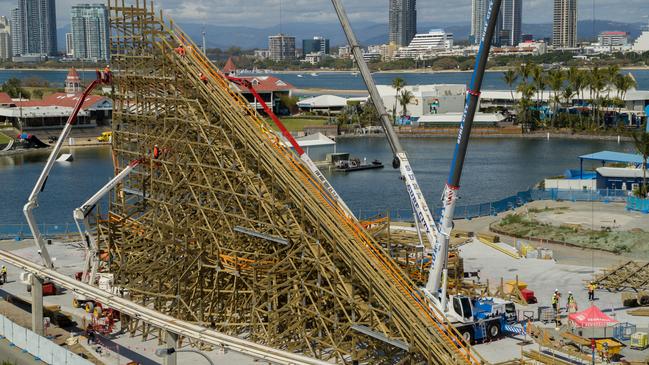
x: 461, y: 309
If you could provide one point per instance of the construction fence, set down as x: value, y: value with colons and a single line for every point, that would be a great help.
x: 39, y: 347
x: 509, y: 203
x: 21, y: 231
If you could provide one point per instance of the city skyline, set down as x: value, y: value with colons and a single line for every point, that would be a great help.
x: 402, y: 22
x: 90, y: 32
x: 247, y: 12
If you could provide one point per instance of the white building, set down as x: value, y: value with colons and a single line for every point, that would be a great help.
x: 5, y: 39
x: 90, y: 32
x: 69, y: 45
x: 427, y: 99
x: 313, y: 58
x: 262, y: 54
x: 613, y: 39
x: 427, y: 44
x: 642, y: 43
x: 344, y: 51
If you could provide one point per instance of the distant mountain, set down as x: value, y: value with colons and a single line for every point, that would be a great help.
x: 367, y: 32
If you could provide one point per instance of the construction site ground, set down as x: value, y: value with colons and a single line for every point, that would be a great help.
x: 118, y: 349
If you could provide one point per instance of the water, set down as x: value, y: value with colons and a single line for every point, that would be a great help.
x: 331, y: 80
x: 345, y: 81
x: 494, y: 169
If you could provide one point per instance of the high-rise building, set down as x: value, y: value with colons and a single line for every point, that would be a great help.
x: 281, y: 47
x: 564, y: 27
x: 34, y: 28
x: 90, y: 32
x: 5, y: 39
x: 478, y: 17
x: 315, y: 45
x: 69, y: 45
x: 509, y: 24
x: 402, y: 22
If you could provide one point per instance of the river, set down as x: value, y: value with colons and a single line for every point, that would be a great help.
x: 495, y: 168
x: 333, y: 80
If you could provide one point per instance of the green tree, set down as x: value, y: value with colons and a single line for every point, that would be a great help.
x: 369, y: 116
x: 524, y: 71
x: 289, y: 102
x: 641, y: 143
x: 404, y: 99
x: 37, y: 93
x: 577, y: 80
x: 510, y: 76
x: 540, y: 82
x: 14, y: 88
x: 596, y: 82
x: 397, y: 83
x: 525, y: 102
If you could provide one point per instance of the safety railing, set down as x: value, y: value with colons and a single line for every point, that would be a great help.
x: 637, y: 204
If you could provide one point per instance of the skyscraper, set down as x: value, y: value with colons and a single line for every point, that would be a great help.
x: 478, y: 17
x: 34, y: 28
x: 564, y: 27
x: 315, y: 45
x: 510, y: 22
x: 90, y: 32
x: 69, y: 46
x: 281, y: 47
x: 5, y: 39
x: 402, y: 22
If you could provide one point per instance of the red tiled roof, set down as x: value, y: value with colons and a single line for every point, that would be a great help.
x: 614, y: 33
x: 5, y: 99
x: 62, y: 100
x: 229, y: 66
x: 267, y: 84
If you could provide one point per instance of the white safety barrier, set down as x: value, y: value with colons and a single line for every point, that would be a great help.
x: 38, y: 346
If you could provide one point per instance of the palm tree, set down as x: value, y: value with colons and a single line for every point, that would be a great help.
x: 612, y: 72
x: 527, y: 91
x: 596, y: 83
x: 524, y: 71
x: 540, y: 82
x: 397, y: 83
x: 624, y: 83
x: 510, y: 77
x: 404, y: 99
x: 568, y: 93
x: 555, y: 80
x: 577, y: 80
x: 641, y: 142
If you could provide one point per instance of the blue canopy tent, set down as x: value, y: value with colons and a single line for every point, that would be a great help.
x: 610, y: 156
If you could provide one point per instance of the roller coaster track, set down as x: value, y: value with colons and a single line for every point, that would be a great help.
x: 331, y: 292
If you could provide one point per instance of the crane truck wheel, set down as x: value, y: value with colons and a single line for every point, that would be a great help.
x: 493, y: 330
x: 89, y: 307
x: 467, y: 335
x: 75, y: 303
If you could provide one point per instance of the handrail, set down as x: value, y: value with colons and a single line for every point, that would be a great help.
x: 157, y: 319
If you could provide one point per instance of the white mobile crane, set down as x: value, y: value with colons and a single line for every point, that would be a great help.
x: 475, y: 319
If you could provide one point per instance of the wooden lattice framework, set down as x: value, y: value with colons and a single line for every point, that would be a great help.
x: 227, y: 229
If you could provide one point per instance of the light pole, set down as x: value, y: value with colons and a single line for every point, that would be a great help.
x: 164, y: 352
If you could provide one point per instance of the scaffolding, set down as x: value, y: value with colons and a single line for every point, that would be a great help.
x: 224, y: 226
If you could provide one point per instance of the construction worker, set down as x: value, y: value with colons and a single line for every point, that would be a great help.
x: 571, y: 305
x: 203, y: 78
x: 555, y: 300
x: 3, y: 273
x: 591, y: 291
x: 107, y: 75
x: 180, y: 50
x: 156, y: 151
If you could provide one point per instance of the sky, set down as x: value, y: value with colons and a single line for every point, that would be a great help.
x: 264, y: 13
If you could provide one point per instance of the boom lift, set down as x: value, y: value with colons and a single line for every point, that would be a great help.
x: 91, y: 263
x: 475, y: 319
x: 32, y: 201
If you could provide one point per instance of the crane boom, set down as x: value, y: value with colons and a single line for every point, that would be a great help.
x: 81, y: 213
x: 420, y: 208
x: 32, y: 201
x: 453, y: 184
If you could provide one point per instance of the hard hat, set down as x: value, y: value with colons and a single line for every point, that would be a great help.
x: 556, y: 290
x: 569, y: 292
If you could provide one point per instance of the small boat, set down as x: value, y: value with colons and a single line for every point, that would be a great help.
x: 355, y: 73
x: 314, y: 74
x: 355, y: 164
x: 300, y: 76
